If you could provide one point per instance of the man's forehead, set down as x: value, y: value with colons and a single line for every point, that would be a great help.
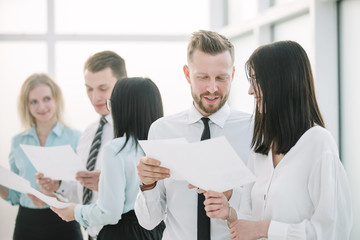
x: 96, y: 85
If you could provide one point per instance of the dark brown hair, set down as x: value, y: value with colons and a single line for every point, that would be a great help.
x: 289, y: 108
x: 101, y: 60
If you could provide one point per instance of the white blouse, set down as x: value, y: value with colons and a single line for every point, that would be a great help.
x: 306, y: 196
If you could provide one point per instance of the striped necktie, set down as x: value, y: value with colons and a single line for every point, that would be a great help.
x: 94, y: 151
x: 203, y: 221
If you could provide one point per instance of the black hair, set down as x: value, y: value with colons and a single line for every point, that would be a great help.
x: 289, y: 108
x: 135, y: 105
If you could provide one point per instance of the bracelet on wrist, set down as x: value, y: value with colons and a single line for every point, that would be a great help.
x: 145, y: 187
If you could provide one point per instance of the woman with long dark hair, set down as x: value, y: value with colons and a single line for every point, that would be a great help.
x: 135, y: 104
x: 301, y: 190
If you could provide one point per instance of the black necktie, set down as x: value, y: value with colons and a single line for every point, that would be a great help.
x: 94, y: 151
x: 203, y: 221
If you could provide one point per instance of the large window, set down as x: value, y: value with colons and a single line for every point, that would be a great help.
x: 57, y: 36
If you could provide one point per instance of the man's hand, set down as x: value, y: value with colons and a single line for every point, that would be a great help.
x: 89, y: 179
x: 149, y: 171
x: 47, y: 184
x: 66, y: 214
x: 216, y: 205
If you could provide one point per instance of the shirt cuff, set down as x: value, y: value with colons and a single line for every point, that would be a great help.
x: 78, y: 215
x: 277, y: 230
x: 63, y: 188
x: 146, y: 208
x: 13, y: 197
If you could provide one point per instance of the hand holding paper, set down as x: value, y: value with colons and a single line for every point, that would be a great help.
x: 89, y: 179
x: 211, y: 164
x: 67, y: 214
x: 150, y: 171
x: 17, y: 183
x: 47, y: 184
x: 57, y: 163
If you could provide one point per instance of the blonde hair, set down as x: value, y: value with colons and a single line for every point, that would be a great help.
x: 34, y: 80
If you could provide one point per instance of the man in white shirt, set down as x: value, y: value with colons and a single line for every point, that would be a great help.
x: 209, y: 72
x: 101, y: 72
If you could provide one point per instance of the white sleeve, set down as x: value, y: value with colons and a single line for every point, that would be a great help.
x: 235, y: 199
x: 150, y: 206
x: 330, y: 195
x: 245, y: 209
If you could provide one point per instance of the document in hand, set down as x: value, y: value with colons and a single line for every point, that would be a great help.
x: 210, y: 164
x: 58, y: 163
x: 20, y: 184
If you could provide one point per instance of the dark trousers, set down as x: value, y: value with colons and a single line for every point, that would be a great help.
x: 129, y: 228
x: 44, y: 224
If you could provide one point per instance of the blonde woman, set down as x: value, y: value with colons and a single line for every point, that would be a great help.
x: 40, y: 109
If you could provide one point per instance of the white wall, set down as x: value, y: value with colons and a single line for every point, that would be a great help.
x: 350, y: 101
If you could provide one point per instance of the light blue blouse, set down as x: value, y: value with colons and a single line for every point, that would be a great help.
x: 118, y: 186
x: 21, y: 165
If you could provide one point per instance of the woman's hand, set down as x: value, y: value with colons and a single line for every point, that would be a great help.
x: 249, y: 230
x: 67, y: 214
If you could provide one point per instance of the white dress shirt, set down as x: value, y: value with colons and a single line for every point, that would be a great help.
x: 173, y: 197
x: 306, y: 196
x: 73, y: 191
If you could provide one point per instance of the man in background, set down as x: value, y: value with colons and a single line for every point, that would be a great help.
x: 101, y: 72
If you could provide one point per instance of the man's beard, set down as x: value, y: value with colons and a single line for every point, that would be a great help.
x: 213, y: 108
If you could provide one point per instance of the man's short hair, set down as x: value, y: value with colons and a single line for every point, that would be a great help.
x: 209, y: 42
x: 101, y: 60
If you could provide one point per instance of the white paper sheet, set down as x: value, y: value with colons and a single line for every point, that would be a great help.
x: 162, y: 149
x: 211, y: 164
x: 58, y: 162
x: 20, y: 184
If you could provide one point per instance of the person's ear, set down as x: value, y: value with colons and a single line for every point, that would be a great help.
x: 186, y: 73
x: 233, y: 73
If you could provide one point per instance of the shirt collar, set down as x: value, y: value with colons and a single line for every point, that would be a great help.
x: 57, y: 130
x: 109, y: 119
x: 219, y: 118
